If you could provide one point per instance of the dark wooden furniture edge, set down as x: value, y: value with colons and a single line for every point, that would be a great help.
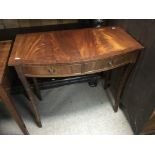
x: 10, y: 33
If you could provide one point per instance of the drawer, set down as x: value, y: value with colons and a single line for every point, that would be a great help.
x: 52, y: 70
x: 109, y: 63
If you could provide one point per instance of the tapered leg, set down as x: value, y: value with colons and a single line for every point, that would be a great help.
x: 122, y: 83
x: 30, y: 94
x: 36, y: 88
x: 6, y: 98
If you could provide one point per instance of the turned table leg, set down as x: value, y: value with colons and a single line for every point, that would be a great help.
x: 30, y: 94
x: 6, y: 98
x: 123, y: 81
x: 36, y: 88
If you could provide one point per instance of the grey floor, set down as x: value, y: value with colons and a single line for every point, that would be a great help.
x: 74, y: 109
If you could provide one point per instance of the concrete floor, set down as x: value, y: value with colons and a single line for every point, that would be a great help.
x: 74, y: 109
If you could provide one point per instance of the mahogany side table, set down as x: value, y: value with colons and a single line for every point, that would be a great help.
x: 73, y: 53
x: 4, y: 85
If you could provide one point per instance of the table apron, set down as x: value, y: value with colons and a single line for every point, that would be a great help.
x: 75, y: 69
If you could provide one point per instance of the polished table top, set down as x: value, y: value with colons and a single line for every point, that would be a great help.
x: 4, y: 53
x: 69, y: 46
x: 72, y: 53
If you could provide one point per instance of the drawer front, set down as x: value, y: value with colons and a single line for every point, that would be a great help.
x: 64, y: 70
x: 109, y: 63
x: 52, y: 70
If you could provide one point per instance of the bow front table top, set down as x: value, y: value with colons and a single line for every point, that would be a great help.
x: 72, y: 53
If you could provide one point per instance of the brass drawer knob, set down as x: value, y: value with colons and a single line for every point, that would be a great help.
x: 51, y: 70
x: 110, y: 63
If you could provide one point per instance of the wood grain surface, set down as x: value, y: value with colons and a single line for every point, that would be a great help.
x: 20, y: 23
x: 4, y: 53
x: 70, y: 46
